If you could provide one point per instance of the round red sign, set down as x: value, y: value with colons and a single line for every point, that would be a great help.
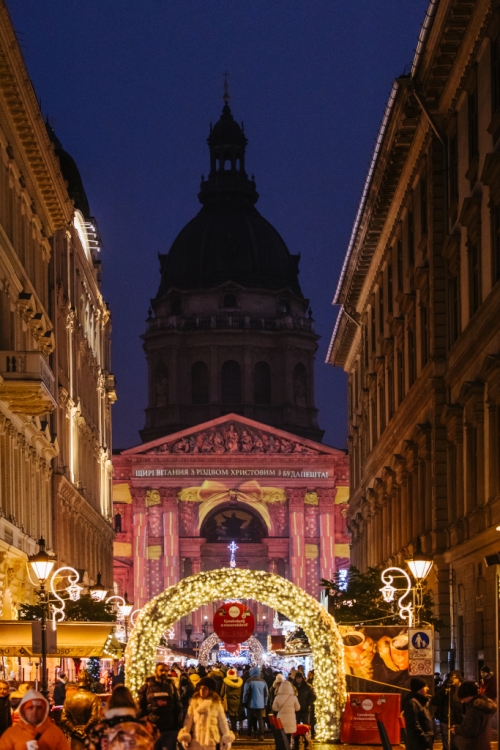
x: 234, y: 622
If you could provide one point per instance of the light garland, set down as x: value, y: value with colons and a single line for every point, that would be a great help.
x: 254, y: 646
x: 269, y: 589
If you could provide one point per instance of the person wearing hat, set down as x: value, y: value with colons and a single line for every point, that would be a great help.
x: 475, y: 730
x: 488, y: 684
x: 232, y: 689
x: 205, y: 725
x: 419, y: 724
x: 160, y: 703
x: 449, y: 709
x: 255, y: 695
x: 34, y: 728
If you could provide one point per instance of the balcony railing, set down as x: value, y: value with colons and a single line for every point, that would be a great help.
x: 204, y: 322
x: 26, y: 382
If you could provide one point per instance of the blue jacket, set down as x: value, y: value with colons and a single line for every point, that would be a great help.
x: 255, y: 691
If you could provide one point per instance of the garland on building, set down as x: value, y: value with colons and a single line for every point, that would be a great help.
x: 269, y: 589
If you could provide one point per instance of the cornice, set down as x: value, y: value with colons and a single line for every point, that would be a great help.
x: 31, y: 144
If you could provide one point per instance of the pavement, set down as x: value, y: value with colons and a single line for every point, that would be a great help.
x: 245, y: 744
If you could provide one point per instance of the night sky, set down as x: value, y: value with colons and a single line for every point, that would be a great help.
x: 131, y: 87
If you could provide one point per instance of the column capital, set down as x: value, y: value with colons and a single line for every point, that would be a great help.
x: 295, y: 498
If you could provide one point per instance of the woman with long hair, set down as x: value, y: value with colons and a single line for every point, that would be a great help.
x: 205, y: 725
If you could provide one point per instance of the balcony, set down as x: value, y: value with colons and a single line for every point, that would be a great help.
x: 26, y: 383
x: 197, y: 323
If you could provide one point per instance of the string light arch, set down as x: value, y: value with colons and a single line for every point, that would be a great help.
x: 254, y: 646
x: 269, y: 589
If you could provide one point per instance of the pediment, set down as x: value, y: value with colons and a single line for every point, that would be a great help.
x: 233, y: 434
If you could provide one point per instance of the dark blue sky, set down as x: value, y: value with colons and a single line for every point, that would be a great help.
x: 131, y: 87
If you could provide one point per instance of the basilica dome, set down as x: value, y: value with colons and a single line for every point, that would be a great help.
x: 228, y: 240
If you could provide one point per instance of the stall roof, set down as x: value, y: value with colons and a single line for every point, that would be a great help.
x: 74, y: 639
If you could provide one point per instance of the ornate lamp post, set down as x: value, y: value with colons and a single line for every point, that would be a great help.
x: 41, y: 565
x: 420, y: 566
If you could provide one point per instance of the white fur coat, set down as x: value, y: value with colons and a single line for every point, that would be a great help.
x: 205, y: 725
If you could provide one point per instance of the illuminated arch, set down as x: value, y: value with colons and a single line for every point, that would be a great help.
x: 276, y: 592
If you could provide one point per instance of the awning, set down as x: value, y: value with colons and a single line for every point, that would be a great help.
x: 73, y: 639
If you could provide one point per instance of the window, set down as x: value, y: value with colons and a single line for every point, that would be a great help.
x: 423, y: 205
x: 230, y: 300
x: 452, y: 305
x: 399, y: 264
x: 231, y: 382
x: 495, y: 241
x: 262, y: 383
x: 118, y: 523
x: 161, y: 384
x: 389, y: 288
x: 300, y: 385
x: 453, y: 167
x: 495, y: 75
x: 424, y: 333
x: 200, y: 383
x: 400, y: 375
x: 474, y: 278
x: 473, y: 125
x: 411, y: 239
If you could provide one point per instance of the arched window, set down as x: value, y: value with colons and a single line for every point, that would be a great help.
x: 230, y: 300
x: 262, y: 383
x: 231, y: 382
x: 118, y: 523
x: 300, y: 385
x: 200, y: 383
x: 161, y: 384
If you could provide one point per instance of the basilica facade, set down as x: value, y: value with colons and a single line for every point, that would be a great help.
x: 231, y: 450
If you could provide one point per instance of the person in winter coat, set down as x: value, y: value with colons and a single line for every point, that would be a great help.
x: 195, y: 680
x: 205, y: 725
x: 474, y: 733
x: 186, y: 690
x: 16, y: 698
x: 120, y: 724
x: 306, y: 697
x: 5, y: 711
x: 286, y: 705
x: 218, y: 677
x: 232, y: 690
x: 159, y: 702
x: 275, y: 687
x: 255, y: 695
x: 419, y: 724
x: 59, y: 694
x: 488, y: 684
x: 34, y: 725
x: 82, y: 709
x: 449, y: 709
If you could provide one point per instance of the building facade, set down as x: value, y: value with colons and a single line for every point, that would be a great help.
x: 418, y: 329
x: 179, y: 501
x: 230, y: 451
x: 55, y: 386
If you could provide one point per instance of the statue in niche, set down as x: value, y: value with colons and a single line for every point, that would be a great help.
x: 233, y: 525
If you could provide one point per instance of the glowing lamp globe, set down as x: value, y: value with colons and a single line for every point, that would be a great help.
x: 41, y: 563
x: 420, y: 566
x: 126, y: 608
x: 98, y: 592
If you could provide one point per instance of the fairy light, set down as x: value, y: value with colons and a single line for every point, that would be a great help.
x: 254, y: 646
x: 269, y: 589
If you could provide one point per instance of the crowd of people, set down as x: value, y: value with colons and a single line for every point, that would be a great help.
x: 197, y: 708
x: 462, y: 710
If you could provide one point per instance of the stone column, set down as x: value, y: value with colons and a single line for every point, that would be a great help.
x: 326, y: 502
x: 297, y: 534
x: 140, y: 595
x: 170, y: 537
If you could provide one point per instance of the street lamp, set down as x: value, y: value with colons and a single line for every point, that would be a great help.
x: 41, y: 565
x: 420, y: 566
x: 98, y: 591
